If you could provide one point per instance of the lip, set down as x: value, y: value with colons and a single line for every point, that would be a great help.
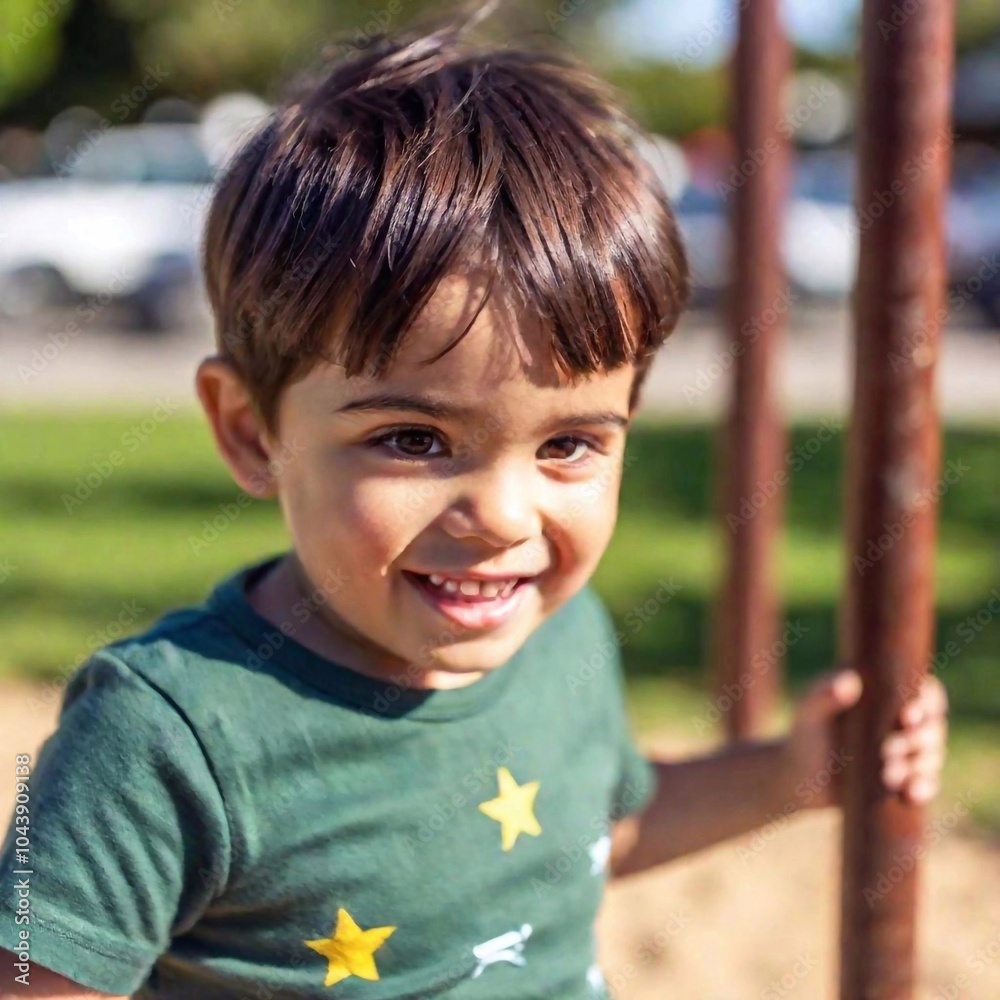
x: 478, y: 615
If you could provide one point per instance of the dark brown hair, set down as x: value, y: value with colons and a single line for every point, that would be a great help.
x: 401, y: 164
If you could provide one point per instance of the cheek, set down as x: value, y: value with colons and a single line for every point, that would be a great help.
x: 366, y: 520
x: 586, y: 523
x: 589, y: 517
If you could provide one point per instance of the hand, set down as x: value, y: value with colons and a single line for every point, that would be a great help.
x: 912, y: 754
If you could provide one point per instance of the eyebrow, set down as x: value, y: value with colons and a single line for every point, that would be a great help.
x: 453, y: 411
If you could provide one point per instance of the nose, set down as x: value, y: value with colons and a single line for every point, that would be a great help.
x: 500, y: 504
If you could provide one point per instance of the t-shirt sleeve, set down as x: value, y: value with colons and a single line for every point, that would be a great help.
x: 636, y: 774
x: 127, y: 837
x: 637, y: 783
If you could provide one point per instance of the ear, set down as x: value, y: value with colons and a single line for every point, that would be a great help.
x: 240, y: 435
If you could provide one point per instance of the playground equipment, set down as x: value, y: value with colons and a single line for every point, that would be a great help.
x: 904, y: 147
x: 754, y: 438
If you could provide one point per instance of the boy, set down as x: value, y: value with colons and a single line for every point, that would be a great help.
x: 394, y: 761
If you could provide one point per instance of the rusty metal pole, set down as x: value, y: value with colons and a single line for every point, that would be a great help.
x: 888, y: 615
x: 747, y: 679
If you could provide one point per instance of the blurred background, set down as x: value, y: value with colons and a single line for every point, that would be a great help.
x: 116, y: 115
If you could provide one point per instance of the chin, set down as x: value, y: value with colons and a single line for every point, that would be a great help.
x: 471, y: 657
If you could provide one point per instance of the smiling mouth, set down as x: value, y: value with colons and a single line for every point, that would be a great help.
x: 471, y: 603
x: 468, y: 590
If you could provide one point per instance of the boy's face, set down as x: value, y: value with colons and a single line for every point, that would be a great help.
x: 402, y: 491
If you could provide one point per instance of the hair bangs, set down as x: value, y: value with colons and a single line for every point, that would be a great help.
x: 416, y: 161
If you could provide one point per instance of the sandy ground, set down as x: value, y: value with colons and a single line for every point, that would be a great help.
x: 752, y: 918
x: 758, y: 918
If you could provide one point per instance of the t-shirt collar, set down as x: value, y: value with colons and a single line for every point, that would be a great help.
x: 267, y: 645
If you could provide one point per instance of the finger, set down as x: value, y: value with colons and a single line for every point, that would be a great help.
x: 930, y: 702
x: 921, y: 790
x: 912, y: 713
x: 896, y: 745
x: 928, y: 765
x: 930, y: 736
x: 924, y: 723
x: 910, y: 747
x: 928, y: 762
x: 895, y: 774
x: 847, y: 680
x: 898, y: 771
x: 935, y: 697
x: 830, y: 693
x: 844, y: 687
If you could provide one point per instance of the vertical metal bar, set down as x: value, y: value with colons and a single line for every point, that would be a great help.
x: 888, y: 614
x: 754, y: 440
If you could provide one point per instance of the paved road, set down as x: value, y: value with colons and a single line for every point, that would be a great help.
x: 43, y: 366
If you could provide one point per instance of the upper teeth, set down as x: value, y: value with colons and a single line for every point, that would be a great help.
x: 473, y: 588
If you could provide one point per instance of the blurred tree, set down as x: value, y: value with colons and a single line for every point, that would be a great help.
x: 30, y: 46
x: 82, y: 54
x: 64, y: 52
x: 204, y: 47
x: 673, y: 101
x: 978, y: 23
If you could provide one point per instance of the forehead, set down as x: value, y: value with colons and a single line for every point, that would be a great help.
x: 503, y: 362
x: 502, y: 345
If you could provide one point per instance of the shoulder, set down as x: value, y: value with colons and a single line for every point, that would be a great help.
x: 123, y: 749
x: 186, y: 656
x: 165, y: 653
x: 111, y: 712
x: 152, y: 687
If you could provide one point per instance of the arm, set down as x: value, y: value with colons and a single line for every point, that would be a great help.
x: 43, y: 984
x: 126, y: 816
x: 741, y: 787
x: 703, y: 801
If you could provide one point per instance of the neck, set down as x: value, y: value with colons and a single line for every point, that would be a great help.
x: 286, y: 584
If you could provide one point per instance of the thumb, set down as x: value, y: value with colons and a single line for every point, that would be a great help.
x: 829, y: 695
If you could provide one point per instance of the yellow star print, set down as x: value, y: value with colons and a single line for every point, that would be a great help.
x: 513, y: 808
x: 350, y: 950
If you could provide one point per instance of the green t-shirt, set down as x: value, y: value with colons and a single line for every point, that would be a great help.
x: 223, y: 813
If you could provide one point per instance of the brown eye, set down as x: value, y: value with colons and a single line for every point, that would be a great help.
x: 567, y: 449
x: 411, y: 442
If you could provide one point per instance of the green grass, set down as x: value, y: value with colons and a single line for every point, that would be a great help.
x: 69, y: 571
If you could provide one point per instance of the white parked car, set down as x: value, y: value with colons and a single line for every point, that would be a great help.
x: 121, y: 221
x: 819, y: 241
